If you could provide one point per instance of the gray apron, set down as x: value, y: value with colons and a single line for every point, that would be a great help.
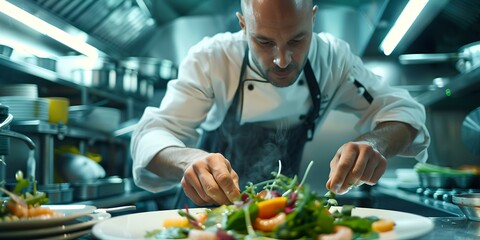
x: 253, y: 149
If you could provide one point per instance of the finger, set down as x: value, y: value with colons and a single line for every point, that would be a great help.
x: 212, y: 189
x: 191, y: 177
x: 228, y: 181
x: 375, y: 168
x: 328, y: 184
x: 345, y: 164
x: 333, y: 168
x: 378, y: 172
x: 210, y: 186
x: 235, y: 180
x: 192, y: 193
x: 359, y: 168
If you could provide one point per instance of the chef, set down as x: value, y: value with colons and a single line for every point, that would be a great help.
x: 245, y: 100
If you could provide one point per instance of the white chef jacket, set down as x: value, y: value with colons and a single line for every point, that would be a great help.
x: 208, y: 79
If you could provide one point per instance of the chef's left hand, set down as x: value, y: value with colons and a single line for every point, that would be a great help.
x: 355, y: 163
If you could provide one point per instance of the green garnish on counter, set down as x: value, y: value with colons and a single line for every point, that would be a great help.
x: 430, y: 168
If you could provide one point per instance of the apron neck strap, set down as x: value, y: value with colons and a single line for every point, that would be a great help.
x: 234, y: 111
x: 315, y: 95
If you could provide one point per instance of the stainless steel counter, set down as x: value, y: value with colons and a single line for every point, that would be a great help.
x: 453, y: 228
x: 449, y: 221
x: 413, y: 199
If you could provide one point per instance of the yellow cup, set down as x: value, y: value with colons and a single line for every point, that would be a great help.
x: 58, y: 109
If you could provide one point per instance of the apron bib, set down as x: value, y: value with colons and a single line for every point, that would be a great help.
x: 253, y: 149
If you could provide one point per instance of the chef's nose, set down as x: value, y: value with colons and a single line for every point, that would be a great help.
x: 282, y: 57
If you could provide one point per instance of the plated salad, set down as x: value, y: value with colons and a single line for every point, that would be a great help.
x: 23, y: 205
x: 279, y: 208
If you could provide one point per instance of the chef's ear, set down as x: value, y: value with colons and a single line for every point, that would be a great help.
x: 314, y: 11
x: 241, y: 21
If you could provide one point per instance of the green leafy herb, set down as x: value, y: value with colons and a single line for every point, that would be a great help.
x: 236, y: 220
x: 169, y: 233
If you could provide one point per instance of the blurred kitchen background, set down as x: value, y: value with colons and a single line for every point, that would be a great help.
x: 112, y: 58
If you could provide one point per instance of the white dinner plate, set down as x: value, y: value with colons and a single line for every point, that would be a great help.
x: 80, y: 223
x: 68, y: 213
x: 135, y: 226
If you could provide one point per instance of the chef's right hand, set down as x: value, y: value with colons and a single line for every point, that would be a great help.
x: 211, y: 180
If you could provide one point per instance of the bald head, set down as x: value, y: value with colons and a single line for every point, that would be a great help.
x: 251, y: 9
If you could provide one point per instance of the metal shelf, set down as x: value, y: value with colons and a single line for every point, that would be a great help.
x: 43, y: 127
x: 49, y: 131
x: 458, y: 88
x: 51, y: 77
x: 130, y: 197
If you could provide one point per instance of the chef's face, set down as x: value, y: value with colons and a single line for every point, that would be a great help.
x: 279, y: 33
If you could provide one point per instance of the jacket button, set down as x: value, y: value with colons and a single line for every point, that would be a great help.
x: 300, y: 82
x: 250, y: 87
x: 302, y: 117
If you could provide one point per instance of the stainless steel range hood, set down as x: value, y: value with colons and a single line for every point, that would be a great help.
x: 167, y: 28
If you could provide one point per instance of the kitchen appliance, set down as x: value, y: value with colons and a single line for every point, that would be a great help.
x: 5, y: 119
x: 441, y: 183
x: 4, y: 142
x: 440, y: 194
x: 467, y: 58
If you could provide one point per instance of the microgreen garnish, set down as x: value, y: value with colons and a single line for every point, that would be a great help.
x: 303, y: 213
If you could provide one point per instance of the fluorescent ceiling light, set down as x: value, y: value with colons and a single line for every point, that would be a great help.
x: 47, y: 29
x: 401, y: 26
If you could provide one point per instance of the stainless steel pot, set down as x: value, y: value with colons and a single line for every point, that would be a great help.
x: 467, y: 58
x: 145, y: 88
x: 104, y: 78
x: 448, y: 181
x: 146, y: 67
x: 82, y: 70
x: 47, y: 63
x: 127, y: 81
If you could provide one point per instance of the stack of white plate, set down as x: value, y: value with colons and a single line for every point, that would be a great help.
x: 23, y: 108
x: 76, y: 221
x: 24, y: 90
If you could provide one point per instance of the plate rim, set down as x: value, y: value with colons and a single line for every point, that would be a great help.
x: 59, y: 229
x: 97, y: 232
x: 49, y: 222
